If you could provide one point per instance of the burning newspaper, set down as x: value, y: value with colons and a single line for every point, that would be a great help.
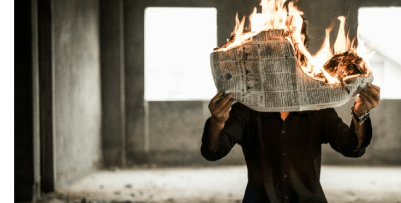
x: 271, y: 70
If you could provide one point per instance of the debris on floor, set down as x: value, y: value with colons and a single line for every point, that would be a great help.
x: 221, y: 184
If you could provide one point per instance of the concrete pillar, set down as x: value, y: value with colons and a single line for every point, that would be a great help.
x: 46, y: 80
x: 137, y: 142
x: 113, y: 82
x: 26, y: 113
x: 77, y: 89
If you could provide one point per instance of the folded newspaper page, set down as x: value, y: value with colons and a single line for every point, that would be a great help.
x: 263, y: 74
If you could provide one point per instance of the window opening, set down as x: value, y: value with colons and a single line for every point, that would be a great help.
x: 378, y: 26
x: 178, y: 43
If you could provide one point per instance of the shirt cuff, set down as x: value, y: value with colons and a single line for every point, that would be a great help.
x: 205, y: 143
x: 367, y: 139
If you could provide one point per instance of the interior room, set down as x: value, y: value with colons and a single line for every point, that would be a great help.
x: 111, y: 100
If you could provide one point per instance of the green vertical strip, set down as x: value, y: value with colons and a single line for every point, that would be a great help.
x: 7, y: 100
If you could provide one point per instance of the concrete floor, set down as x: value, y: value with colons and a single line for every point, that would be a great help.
x: 223, y: 184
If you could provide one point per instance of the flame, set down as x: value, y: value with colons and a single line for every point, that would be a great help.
x: 342, y: 43
x: 276, y: 15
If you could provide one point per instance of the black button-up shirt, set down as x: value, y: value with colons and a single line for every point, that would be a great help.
x: 283, y: 158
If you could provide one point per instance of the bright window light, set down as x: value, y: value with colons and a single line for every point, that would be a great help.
x: 178, y: 43
x: 380, y: 28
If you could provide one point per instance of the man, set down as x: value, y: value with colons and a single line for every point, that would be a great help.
x: 283, y: 149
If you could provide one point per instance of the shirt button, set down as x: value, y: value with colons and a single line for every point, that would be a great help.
x: 285, y: 176
x: 283, y: 131
x: 284, y: 154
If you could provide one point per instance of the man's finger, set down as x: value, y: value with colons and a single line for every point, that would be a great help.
x: 216, y: 97
x: 377, y: 88
x: 227, y: 106
x: 374, y: 100
x: 359, y: 99
x: 374, y: 92
x: 225, y: 99
x: 368, y: 97
x: 220, y: 104
x: 226, y: 111
x: 365, y: 100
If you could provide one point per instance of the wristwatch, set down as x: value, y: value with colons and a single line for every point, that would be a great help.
x: 363, y: 117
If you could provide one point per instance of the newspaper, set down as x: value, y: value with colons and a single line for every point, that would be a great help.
x: 263, y: 74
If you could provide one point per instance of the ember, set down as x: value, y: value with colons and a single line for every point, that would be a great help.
x: 346, y: 67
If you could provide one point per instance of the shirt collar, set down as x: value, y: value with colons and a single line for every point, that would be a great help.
x: 268, y: 114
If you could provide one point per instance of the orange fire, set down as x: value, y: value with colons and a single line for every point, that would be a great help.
x: 276, y: 15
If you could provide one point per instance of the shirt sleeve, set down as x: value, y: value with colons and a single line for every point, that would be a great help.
x: 343, y: 138
x: 231, y: 134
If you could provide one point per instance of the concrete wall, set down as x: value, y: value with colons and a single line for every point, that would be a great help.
x: 385, y: 147
x: 77, y: 89
x: 175, y: 129
x: 321, y: 14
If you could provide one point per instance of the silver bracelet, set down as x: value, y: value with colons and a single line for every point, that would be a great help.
x: 363, y: 117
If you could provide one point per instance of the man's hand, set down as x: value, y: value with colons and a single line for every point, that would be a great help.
x: 220, y: 108
x: 367, y: 100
